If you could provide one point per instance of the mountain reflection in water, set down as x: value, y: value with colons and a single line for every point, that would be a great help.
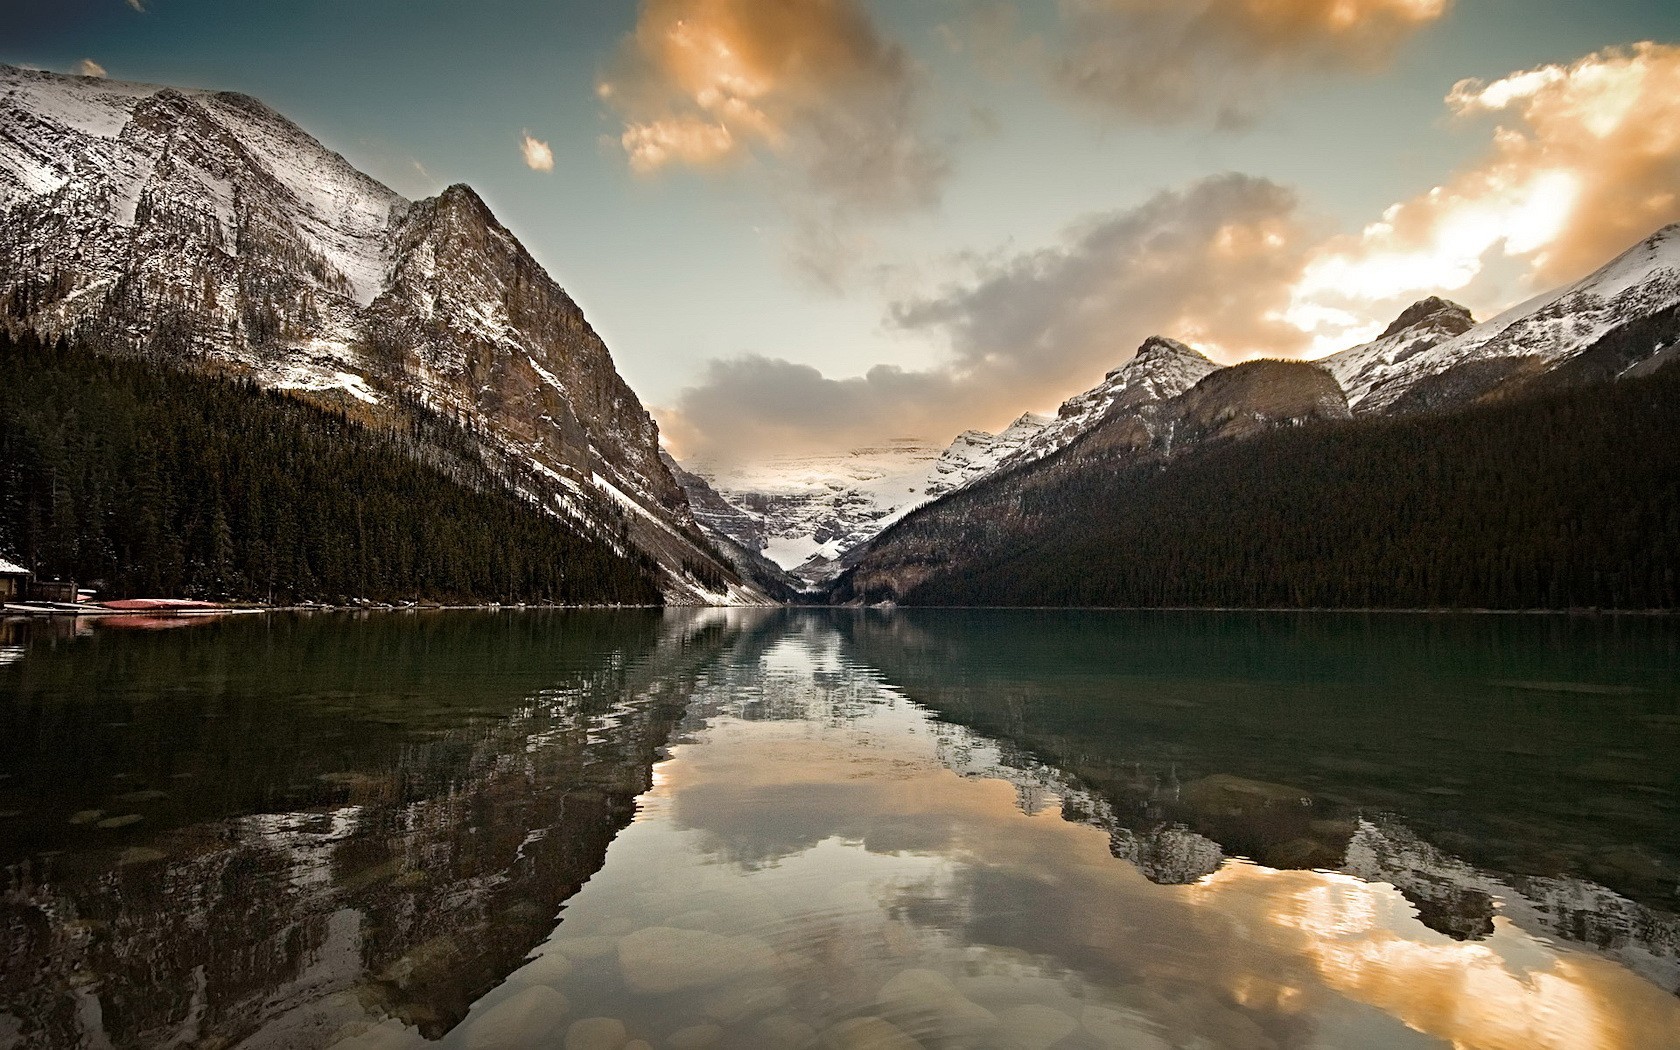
x: 841, y: 829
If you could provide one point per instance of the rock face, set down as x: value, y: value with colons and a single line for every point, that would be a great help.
x: 205, y: 227
x: 736, y: 533
x: 1375, y: 365
x: 975, y: 453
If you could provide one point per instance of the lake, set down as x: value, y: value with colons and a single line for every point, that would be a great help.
x: 840, y: 829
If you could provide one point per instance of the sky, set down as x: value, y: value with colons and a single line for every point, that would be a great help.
x: 808, y: 225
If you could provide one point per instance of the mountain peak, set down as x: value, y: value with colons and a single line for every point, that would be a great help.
x: 1441, y: 313
x: 1159, y: 348
x: 1160, y: 344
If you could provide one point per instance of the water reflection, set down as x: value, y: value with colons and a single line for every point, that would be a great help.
x: 262, y: 833
x: 957, y: 830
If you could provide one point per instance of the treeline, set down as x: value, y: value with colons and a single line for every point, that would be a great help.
x: 146, y: 479
x: 1568, y: 499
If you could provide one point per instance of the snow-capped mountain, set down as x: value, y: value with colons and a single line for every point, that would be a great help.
x: 807, y: 513
x: 803, y: 512
x: 1433, y: 356
x: 975, y: 452
x: 1375, y: 365
x: 1161, y: 368
x: 206, y: 227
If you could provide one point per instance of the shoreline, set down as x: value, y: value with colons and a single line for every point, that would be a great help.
x: 22, y: 610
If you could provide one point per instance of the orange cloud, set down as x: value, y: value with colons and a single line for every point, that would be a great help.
x: 1585, y: 162
x: 811, y: 82
x: 1170, y: 60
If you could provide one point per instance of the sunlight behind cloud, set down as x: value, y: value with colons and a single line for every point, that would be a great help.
x: 1585, y: 162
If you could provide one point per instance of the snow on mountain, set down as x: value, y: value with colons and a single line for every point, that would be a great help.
x: 975, y: 453
x: 1161, y: 368
x: 1425, y: 324
x: 206, y: 227
x: 806, y: 513
x: 1414, y: 364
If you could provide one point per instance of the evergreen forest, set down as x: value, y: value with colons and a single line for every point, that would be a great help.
x: 143, y: 479
x: 1563, y: 499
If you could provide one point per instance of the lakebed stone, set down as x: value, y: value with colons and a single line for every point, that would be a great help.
x: 597, y: 1033
x: 868, y: 1033
x: 526, y: 1018
x: 662, y: 959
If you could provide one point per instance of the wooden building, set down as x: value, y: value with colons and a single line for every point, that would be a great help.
x: 53, y: 591
x: 14, y: 582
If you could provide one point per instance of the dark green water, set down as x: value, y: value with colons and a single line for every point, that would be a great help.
x: 841, y: 829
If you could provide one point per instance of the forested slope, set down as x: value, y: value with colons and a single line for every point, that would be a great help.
x: 1561, y: 499
x: 149, y: 479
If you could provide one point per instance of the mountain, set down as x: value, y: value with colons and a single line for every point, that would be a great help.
x: 1169, y: 404
x: 975, y: 453
x: 1273, y: 498
x: 1434, y: 357
x: 205, y: 228
x: 722, y: 521
x: 812, y: 514
x: 803, y: 511
x: 1388, y: 359
x: 1160, y: 369
x: 193, y: 486
x: 1015, y: 507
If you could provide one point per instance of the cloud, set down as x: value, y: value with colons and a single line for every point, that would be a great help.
x: 1164, y: 61
x: 810, y: 88
x: 746, y: 407
x: 1213, y: 264
x: 538, y: 157
x: 1584, y: 162
x: 87, y: 67
x: 138, y: 5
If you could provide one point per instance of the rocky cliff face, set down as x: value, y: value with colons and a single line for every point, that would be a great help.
x: 205, y: 226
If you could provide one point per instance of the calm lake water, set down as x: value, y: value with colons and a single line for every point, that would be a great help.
x: 841, y: 829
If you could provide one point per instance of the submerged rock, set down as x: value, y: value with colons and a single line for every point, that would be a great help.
x: 661, y: 959
x: 784, y: 1032
x: 528, y: 1018
x: 1036, y: 1027
x: 926, y: 1000
x: 738, y: 1003
x: 1119, y: 1028
x: 868, y: 1033
x: 695, y: 1037
x: 597, y: 1033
